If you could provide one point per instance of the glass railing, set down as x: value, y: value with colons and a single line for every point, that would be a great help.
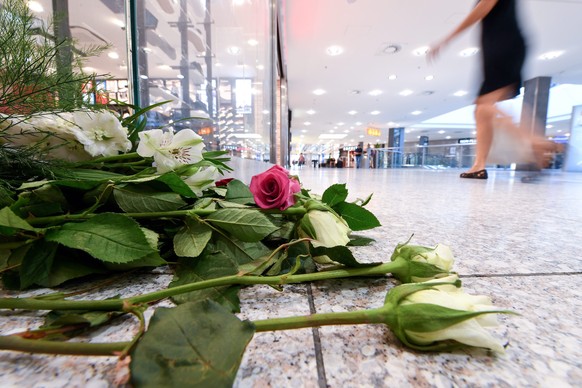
x: 435, y: 157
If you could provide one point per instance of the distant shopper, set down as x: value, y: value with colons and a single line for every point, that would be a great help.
x: 301, y: 160
x: 503, y: 54
x: 358, y: 155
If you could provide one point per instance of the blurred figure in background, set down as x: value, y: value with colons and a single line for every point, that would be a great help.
x: 503, y: 54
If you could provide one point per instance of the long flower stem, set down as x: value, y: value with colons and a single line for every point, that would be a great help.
x: 165, y: 214
x: 108, y: 159
x: 54, y: 347
x: 124, y: 304
x: 370, y: 316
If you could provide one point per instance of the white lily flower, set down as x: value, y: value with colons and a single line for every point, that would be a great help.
x: 170, y: 150
x: 100, y: 132
x: 202, y: 179
x: 54, y: 134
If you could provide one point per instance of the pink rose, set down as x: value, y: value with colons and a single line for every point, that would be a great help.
x: 274, y: 189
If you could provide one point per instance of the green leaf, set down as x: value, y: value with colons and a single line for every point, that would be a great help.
x: 72, y: 265
x: 37, y: 263
x: 109, y: 237
x: 192, y: 345
x: 177, y: 185
x: 335, y: 194
x: 191, y: 239
x: 356, y: 216
x: 360, y: 241
x: 208, y: 266
x: 10, y: 220
x: 342, y: 255
x: 239, y: 251
x: 238, y: 192
x: 143, y: 199
x: 245, y: 224
x: 5, y: 196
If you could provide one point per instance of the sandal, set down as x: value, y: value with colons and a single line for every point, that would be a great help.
x: 481, y: 174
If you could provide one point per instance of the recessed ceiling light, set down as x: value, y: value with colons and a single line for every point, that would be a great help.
x: 549, y: 126
x: 392, y: 77
x: 260, y: 67
x: 375, y: 112
x: 118, y: 23
x: 331, y: 136
x: 391, y: 48
x: 416, y: 112
x: 180, y: 76
x: 361, y: 136
x: 307, y: 123
x: 88, y: 69
x: 359, y: 123
x: 165, y: 67
x: 147, y: 49
x: 352, y: 112
x: 113, y: 55
x: 35, y: 6
x: 429, y: 77
x: 421, y: 51
x: 341, y: 124
x: 252, y: 42
x: 319, y: 92
x: 304, y: 131
x: 448, y: 137
x: 406, y: 92
x: 550, y: 55
x: 469, y: 52
x: 460, y: 93
x: 233, y: 50
x: 474, y: 132
x: 143, y: 76
x: 334, y: 50
x: 375, y: 92
x: 310, y: 112
x: 441, y: 132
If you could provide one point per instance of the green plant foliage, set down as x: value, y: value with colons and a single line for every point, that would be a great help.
x: 192, y: 345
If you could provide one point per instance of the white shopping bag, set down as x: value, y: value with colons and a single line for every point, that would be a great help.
x: 510, y: 144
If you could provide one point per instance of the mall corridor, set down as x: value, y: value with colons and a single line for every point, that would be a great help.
x: 516, y: 242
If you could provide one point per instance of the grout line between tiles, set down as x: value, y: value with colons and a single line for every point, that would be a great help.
x: 321, y: 378
x: 503, y: 275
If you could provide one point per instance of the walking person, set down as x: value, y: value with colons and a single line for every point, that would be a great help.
x: 503, y: 55
x: 358, y: 155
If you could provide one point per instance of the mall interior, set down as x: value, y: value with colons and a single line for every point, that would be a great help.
x: 284, y: 81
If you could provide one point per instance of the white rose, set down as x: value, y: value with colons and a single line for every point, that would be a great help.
x: 325, y: 228
x: 471, y: 331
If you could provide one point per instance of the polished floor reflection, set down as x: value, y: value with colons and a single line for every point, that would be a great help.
x: 517, y: 242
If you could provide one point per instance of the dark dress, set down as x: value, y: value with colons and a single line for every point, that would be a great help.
x: 503, y: 48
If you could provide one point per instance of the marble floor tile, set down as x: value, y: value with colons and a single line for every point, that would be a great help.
x: 516, y: 242
x: 544, y: 342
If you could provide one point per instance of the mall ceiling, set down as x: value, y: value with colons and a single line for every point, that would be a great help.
x: 378, y: 38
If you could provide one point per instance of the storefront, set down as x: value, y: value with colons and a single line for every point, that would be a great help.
x: 211, y: 66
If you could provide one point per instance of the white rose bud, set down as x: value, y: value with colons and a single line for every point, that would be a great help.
x: 325, y: 228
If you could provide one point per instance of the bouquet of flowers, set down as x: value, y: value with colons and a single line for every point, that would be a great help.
x: 85, y: 192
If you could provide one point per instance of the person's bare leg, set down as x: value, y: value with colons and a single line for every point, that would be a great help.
x: 485, y: 113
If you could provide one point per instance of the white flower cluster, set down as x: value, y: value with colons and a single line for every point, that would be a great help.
x: 171, y: 151
x: 73, y: 136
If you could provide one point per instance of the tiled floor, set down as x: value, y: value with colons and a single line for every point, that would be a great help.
x: 519, y: 243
